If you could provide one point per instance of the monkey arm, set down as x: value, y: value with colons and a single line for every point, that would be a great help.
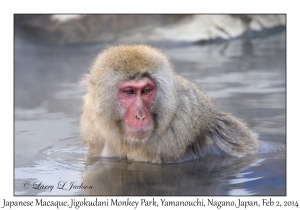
x: 95, y: 149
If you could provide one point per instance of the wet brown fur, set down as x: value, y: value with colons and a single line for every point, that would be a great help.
x: 187, y: 124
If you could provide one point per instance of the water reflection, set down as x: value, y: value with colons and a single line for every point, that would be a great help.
x: 207, y: 176
x: 247, y: 78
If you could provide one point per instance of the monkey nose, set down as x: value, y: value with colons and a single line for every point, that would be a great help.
x: 140, y: 115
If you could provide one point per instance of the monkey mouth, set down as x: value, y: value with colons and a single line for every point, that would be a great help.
x: 139, y: 134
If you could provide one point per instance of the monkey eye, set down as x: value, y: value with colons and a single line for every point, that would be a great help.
x: 146, y: 91
x: 129, y: 92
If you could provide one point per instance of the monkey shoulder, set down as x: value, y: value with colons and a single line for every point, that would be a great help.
x: 193, y: 103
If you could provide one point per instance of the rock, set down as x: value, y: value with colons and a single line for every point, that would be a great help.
x: 72, y: 29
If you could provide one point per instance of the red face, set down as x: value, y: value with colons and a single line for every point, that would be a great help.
x: 135, y: 97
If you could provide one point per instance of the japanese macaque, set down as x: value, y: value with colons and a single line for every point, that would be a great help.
x: 136, y: 107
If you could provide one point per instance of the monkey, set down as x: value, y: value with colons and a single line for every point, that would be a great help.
x: 137, y: 107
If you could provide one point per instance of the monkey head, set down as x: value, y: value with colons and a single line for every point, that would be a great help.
x: 127, y: 84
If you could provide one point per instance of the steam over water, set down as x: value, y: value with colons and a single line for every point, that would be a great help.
x: 246, y: 77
